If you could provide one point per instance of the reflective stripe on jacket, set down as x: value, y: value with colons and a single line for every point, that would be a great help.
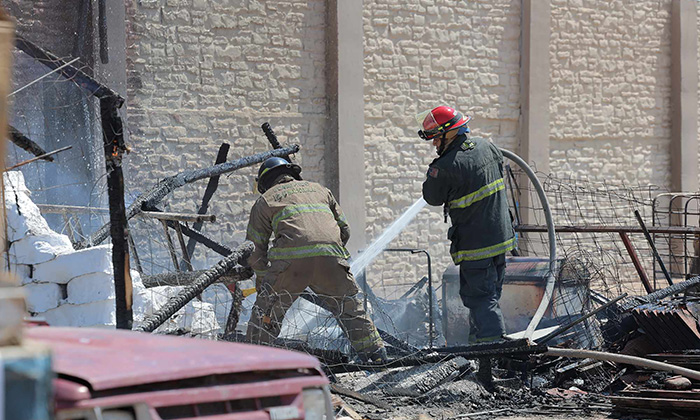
x: 302, y: 218
x: 468, y: 180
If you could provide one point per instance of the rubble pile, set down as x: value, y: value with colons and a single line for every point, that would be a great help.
x: 531, y: 378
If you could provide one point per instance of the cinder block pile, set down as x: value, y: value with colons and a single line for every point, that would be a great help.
x: 76, y: 288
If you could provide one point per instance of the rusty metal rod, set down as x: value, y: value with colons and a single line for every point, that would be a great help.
x: 636, y: 262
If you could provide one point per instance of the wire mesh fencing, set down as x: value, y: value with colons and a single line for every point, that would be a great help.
x: 49, y: 112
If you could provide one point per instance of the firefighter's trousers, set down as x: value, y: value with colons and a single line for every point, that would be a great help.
x: 481, y: 283
x: 331, y: 280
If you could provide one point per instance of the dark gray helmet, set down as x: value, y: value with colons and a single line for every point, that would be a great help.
x: 273, y: 168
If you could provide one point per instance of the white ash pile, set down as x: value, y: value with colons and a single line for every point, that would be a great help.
x: 66, y: 287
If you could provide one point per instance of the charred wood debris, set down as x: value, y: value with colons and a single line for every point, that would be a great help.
x: 648, y: 362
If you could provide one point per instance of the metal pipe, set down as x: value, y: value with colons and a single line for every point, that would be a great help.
x: 624, y: 359
x: 549, y: 288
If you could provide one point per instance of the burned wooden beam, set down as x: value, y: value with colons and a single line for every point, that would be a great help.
x: 179, y: 217
x: 114, y: 148
x: 186, y: 278
x: 327, y: 357
x: 664, y: 404
x: 156, y: 194
x: 235, y: 312
x: 204, y: 240
x: 212, y: 185
x: 238, y: 257
x: 27, y: 144
x: 432, y: 356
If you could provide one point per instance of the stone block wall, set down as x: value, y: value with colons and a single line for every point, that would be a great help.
x: 419, y: 55
x: 611, y: 90
x: 203, y: 72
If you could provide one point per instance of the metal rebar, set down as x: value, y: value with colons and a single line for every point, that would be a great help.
x: 430, y: 287
x: 44, y: 76
x: 37, y: 158
x: 635, y: 261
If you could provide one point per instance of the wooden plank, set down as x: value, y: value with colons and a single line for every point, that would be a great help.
x: 664, y: 393
x: 7, y: 31
x: 337, y: 389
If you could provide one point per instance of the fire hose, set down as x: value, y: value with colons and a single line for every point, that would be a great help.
x: 549, y: 288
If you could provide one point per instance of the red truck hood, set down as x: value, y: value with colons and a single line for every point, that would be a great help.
x: 117, y: 358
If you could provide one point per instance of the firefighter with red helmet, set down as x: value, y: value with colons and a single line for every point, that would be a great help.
x: 309, y: 233
x: 467, y: 179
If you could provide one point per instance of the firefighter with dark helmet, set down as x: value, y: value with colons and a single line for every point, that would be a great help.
x: 467, y: 179
x: 309, y: 233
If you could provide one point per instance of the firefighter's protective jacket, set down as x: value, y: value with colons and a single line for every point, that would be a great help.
x: 304, y: 220
x: 468, y: 180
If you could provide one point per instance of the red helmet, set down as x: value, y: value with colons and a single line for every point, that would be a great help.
x: 440, y: 120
